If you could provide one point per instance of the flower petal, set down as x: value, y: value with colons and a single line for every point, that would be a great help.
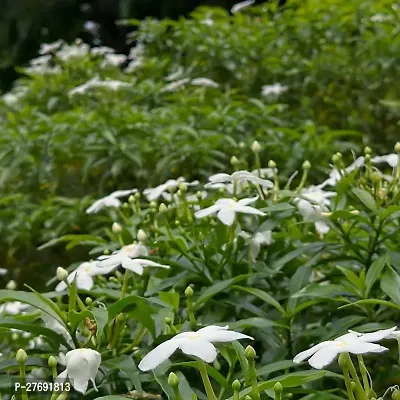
x: 308, y: 353
x: 361, y: 348
x: 322, y: 227
x: 246, y: 202
x: 199, y: 348
x: 158, y: 355
x: 378, y: 335
x: 84, y: 281
x: 207, y: 211
x: 132, y: 265
x: 323, y: 357
x: 224, y: 336
x: 248, y: 210
x: 149, y: 263
x: 226, y: 216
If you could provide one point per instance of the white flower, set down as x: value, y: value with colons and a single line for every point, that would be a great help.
x: 391, y: 159
x: 136, y: 51
x: 275, y: 89
x: 324, y: 353
x: 3, y: 271
x: 238, y: 178
x: 176, y: 74
x: 112, y: 200
x: 13, y: 308
x: 46, y: 48
x: 204, y: 82
x: 198, y: 344
x: 163, y: 189
x: 259, y: 239
x: 97, y: 83
x: 113, y: 60
x: 81, y: 367
x: 243, y: 4
x: 380, y: 18
x: 395, y: 335
x: 83, y: 276
x: 42, y: 70
x: 134, y: 65
x: 265, y: 172
x: 171, y: 87
x: 207, y: 21
x: 227, y: 209
x: 102, y: 50
x: 335, y: 175
x: 313, y: 204
x: 69, y: 52
x: 42, y: 60
x: 128, y: 258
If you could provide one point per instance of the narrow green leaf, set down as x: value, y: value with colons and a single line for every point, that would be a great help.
x: 101, y: 316
x: 390, y: 284
x: 374, y: 273
x: 365, y: 198
x: 263, y: 296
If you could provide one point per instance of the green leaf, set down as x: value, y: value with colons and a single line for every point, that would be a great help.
x: 101, y: 317
x: 374, y: 273
x: 218, y: 287
x: 390, y: 284
x: 34, y: 299
x: 263, y: 296
x: 300, y: 279
x: 372, y: 301
x: 35, y: 328
x: 273, y: 367
x: 126, y: 366
x: 365, y: 198
x: 75, y: 318
x: 86, y: 239
x: 261, y: 323
x: 170, y: 298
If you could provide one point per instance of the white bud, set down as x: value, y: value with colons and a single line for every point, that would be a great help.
x: 255, y: 147
x: 141, y: 236
x: 11, y: 285
x: 163, y: 208
x: 61, y: 274
x: 116, y: 227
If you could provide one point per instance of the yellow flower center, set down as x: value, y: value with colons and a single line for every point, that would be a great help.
x: 341, y: 344
x: 193, y: 336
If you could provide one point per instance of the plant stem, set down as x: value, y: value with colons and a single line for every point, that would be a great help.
x: 206, y: 380
x: 347, y: 382
x: 255, y: 394
x: 359, y: 389
x: 125, y: 283
x: 364, y: 373
x: 24, y: 395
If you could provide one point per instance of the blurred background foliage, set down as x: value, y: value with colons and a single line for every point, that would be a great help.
x: 339, y: 60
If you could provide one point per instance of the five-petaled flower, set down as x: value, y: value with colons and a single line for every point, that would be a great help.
x: 227, y: 209
x: 198, y: 344
x: 169, y: 186
x: 112, y: 200
x: 324, y: 353
x: 81, y: 367
x: 129, y: 258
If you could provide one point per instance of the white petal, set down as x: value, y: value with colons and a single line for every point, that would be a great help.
x: 361, y: 348
x: 219, y: 178
x: 249, y: 210
x: 149, y: 263
x: 322, y: 227
x: 95, y: 207
x: 348, y: 337
x: 132, y: 265
x: 226, y: 216
x: 207, y: 211
x: 246, y: 202
x: 199, y: 348
x: 323, y: 357
x: 378, y: 335
x: 391, y: 159
x: 224, y: 336
x: 158, y: 355
x: 122, y: 193
x: 84, y: 281
x: 308, y: 353
x: 243, y: 4
x: 61, y: 287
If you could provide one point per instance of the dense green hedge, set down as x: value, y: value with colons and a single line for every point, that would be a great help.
x: 338, y: 60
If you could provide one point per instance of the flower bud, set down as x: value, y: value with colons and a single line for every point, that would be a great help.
x: 12, y: 285
x: 163, y: 208
x: 236, y: 385
x: 125, y: 205
x: 189, y: 292
x: 106, y: 252
x: 396, y: 395
x: 355, y: 212
x: 242, y: 145
x: 141, y: 236
x: 168, y: 320
x: 367, y: 150
x: 250, y: 353
x: 61, y: 274
x: 247, y: 397
x: 131, y: 199
x: 153, y: 204
x: 137, y: 195
x: 199, y: 195
x: 183, y: 187
x: 173, y: 380
x: 278, y: 388
x: 234, y: 160
x: 367, y: 158
x: 52, y: 362
x: 116, y: 228
x: 337, y: 158
x: 88, y: 301
x: 397, y: 147
x: 179, y: 193
x: 255, y: 147
x: 21, y: 356
x: 177, y: 223
x: 306, y: 165
x: 271, y: 164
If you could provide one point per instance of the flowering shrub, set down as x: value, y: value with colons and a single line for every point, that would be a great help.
x: 223, y: 290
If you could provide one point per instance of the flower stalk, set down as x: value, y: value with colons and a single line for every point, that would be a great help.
x: 250, y: 354
x: 206, y: 380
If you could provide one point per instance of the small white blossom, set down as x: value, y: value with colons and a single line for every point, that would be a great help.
x: 112, y: 200
x: 113, y: 60
x: 13, y: 308
x: 83, y: 276
x: 43, y: 70
x: 42, y: 60
x: 240, y: 6
x: 176, y: 74
x: 74, y: 51
x: 206, y: 82
x: 380, y: 18
x: 276, y: 89
x: 134, y: 65
x: 3, y: 271
x: 136, y: 51
x: 266, y: 172
x: 81, y: 367
x: 128, y: 258
x: 198, y: 344
x: 391, y: 159
x: 102, y: 50
x: 324, y: 353
x: 171, y: 87
x: 207, y: 21
x: 95, y: 82
x: 162, y: 190
x: 226, y: 209
x: 313, y: 203
x: 46, y: 48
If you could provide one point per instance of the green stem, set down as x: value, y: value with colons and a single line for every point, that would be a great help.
x: 361, y: 395
x: 253, y: 379
x: 206, y: 380
x: 24, y: 395
x: 364, y: 373
x: 177, y: 393
x: 347, y: 382
x: 192, y: 318
x: 125, y: 283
